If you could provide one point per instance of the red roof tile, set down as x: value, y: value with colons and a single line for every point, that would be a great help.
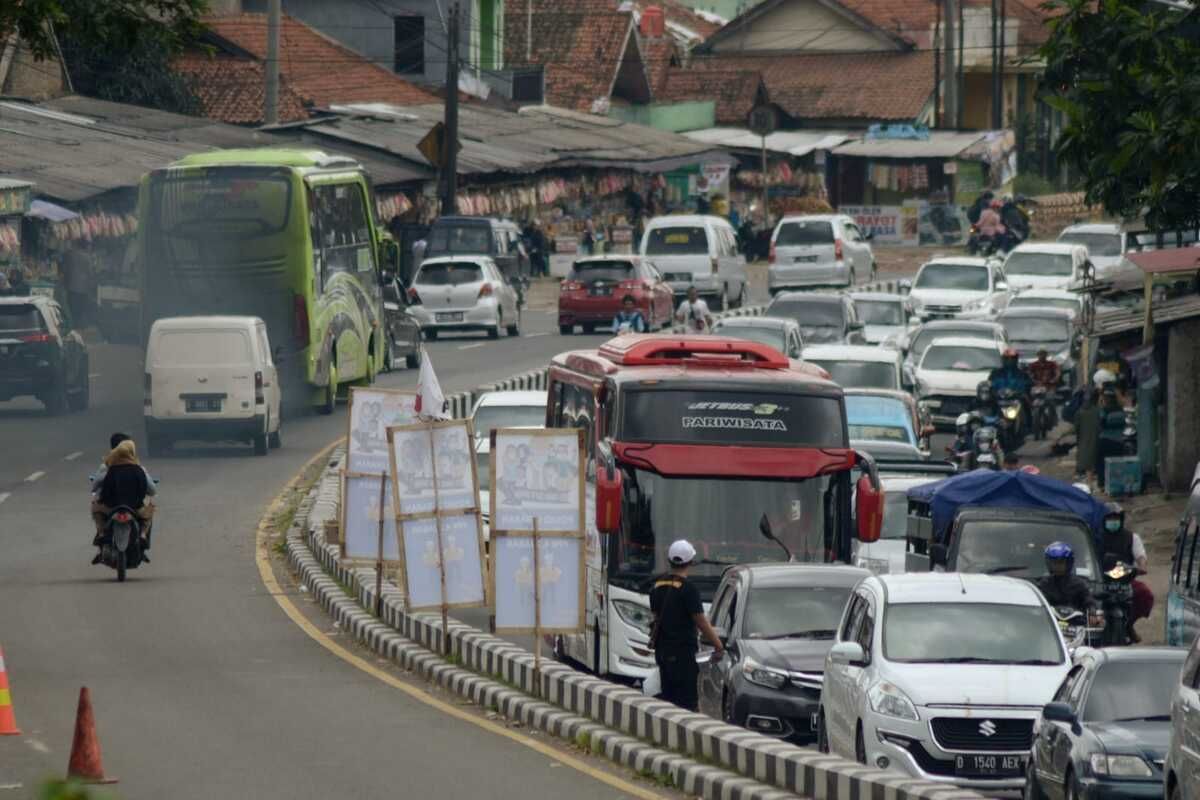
x: 735, y: 92
x: 853, y: 86
x: 231, y: 90
x: 317, y: 69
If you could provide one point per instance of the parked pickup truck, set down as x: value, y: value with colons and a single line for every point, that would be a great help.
x: 999, y: 523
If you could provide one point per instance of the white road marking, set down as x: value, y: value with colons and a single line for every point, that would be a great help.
x: 74, y: 455
x: 471, y: 346
x: 35, y: 476
x: 535, y: 335
x: 38, y: 746
x: 4, y: 496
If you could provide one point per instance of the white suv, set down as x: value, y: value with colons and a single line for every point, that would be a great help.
x: 1182, y: 769
x: 941, y: 676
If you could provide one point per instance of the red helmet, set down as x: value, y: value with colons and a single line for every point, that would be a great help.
x: 1010, y: 353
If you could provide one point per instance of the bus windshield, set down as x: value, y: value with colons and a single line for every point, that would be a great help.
x: 720, y: 517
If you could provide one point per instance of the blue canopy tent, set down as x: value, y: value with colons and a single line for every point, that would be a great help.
x: 1005, y: 490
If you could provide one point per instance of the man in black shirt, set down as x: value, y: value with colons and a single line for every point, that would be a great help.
x: 678, y: 613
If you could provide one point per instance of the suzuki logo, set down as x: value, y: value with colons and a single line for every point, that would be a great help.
x: 987, y: 728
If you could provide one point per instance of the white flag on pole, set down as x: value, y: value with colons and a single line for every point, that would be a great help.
x: 431, y: 403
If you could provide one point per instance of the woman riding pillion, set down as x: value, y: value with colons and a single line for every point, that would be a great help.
x: 122, y: 482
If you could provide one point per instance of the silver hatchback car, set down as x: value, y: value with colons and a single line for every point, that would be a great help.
x: 818, y: 250
x: 458, y: 293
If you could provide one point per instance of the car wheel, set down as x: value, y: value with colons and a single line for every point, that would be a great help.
x: 82, y: 398
x: 727, y: 708
x: 822, y: 732
x: 275, y: 440
x: 57, y: 398
x: 566, y: 330
x: 329, y: 402
x: 860, y: 746
x: 588, y: 327
x: 1033, y: 789
x: 413, y: 359
x: 515, y: 330
x: 1070, y: 786
x: 1176, y: 792
x: 261, y: 445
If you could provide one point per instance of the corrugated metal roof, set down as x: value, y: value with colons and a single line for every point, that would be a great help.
x: 494, y: 140
x: 794, y: 143
x: 940, y: 144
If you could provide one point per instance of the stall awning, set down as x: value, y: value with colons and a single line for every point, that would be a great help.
x: 793, y: 143
x: 1176, y: 259
x: 940, y: 144
x: 40, y: 209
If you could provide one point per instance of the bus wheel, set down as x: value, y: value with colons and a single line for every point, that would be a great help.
x: 329, y: 401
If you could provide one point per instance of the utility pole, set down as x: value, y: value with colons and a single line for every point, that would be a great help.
x: 450, y: 144
x: 996, y: 123
x: 950, y: 64
x: 271, y: 93
x: 937, y: 70
x: 528, y: 33
x: 1000, y: 64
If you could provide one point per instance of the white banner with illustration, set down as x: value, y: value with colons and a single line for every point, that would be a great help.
x: 560, y: 593
x: 536, y: 475
x: 913, y: 223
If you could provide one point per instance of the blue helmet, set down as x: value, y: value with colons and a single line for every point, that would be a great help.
x: 1060, y: 554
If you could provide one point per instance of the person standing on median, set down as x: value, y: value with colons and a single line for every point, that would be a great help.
x: 678, y: 613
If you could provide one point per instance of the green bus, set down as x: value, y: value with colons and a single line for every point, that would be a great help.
x: 289, y: 236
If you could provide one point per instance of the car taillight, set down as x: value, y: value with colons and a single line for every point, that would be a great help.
x: 413, y: 297
x: 146, y: 385
x: 485, y: 290
x: 771, y: 254
x: 572, y: 286
x: 300, y: 319
x: 713, y: 262
x: 837, y: 250
x: 36, y: 337
x: 258, y: 388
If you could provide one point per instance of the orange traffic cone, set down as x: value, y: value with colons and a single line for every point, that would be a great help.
x: 85, y: 750
x: 8, y: 723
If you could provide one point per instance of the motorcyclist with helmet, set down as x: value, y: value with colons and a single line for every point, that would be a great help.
x: 964, y: 435
x: 1010, y: 375
x: 1122, y: 544
x: 1060, y: 585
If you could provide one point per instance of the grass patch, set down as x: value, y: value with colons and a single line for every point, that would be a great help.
x: 665, y: 781
x: 583, y: 740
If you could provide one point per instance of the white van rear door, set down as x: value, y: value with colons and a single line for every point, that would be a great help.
x: 202, y: 373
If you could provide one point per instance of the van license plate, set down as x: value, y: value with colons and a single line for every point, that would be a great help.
x: 202, y: 404
x: 804, y: 260
x: 450, y: 316
x: 983, y: 766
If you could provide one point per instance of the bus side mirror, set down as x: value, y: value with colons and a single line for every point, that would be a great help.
x: 868, y: 510
x: 609, y: 492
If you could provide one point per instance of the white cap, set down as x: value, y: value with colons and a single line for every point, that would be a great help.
x: 1102, y: 377
x: 681, y: 553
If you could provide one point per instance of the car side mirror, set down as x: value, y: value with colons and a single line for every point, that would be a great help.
x: 938, y: 554
x: 609, y: 489
x: 849, y: 654
x: 1061, y: 712
x: 868, y: 510
x: 1001, y: 286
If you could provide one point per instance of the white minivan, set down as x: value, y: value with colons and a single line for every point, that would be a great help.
x: 700, y: 251
x: 211, y: 379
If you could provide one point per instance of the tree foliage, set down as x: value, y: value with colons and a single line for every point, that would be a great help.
x: 1126, y: 75
x: 117, y: 50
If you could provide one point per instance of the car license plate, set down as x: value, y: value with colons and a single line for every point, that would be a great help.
x: 989, y: 766
x: 601, y: 291
x: 201, y: 404
x: 449, y: 316
x: 804, y: 260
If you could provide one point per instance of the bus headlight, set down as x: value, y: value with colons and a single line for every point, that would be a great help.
x: 634, y: 614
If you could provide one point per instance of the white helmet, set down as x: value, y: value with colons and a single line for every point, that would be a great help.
x: 963, y: 420
x: 1102, y: 377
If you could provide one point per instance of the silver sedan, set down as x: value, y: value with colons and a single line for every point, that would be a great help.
x: 457, y: 293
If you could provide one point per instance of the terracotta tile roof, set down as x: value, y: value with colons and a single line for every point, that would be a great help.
x: 854, y: 86
x: 317, y: 69
x: 231, y: 90
x: 657, y: 54
x: 735, y: 92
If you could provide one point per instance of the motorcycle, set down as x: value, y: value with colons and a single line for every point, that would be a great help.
x: 1043, y: 412
x: 1116, y: 595
x: 121, y: 544
x: 978, y: 244
x: 1076, y: 628
x: 987, y: 449
x: 1012, y: 424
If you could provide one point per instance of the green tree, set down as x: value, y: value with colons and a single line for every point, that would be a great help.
x: 117, y: 50
x: 1126, y: 75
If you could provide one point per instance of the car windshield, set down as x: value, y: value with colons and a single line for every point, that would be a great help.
x: 449, y: 274
x: 593, y: 271
x: 961, y: 359
x: 682, y: 241
x: 1104, y: 245
x: 965, y: 277
x: 926, y: 336
x: 804, y: 232
x: 489, y: 417
x: 20, y: 318
x: 772, y: 337
x: 1064, y: 303
x: 928, y: 633
x: 470, y: 239
x: 1037, y: 329
x: 1017, y: 548
x: 808, y: 313
x: 860, y: 374
x: 1040, y: 264
x: 1132, y: 690
x: 880, y: 433
x: 795, y: 612
x: 876, y: 312
x: 720, y: 517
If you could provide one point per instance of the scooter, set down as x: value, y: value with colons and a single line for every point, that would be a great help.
x: 1043, y: 412
x: 1116, y: 595
x: 987, y: 449
x: 121, y: 543
x: 1011, y: 423
x: 1075, y: 628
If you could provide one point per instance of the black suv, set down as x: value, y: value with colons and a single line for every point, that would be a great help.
x: 40, y: 356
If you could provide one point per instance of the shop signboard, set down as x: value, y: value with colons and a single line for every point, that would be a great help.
x: 882, y: 222
x: 566, y: 250
x: 915, y: 222
x: 14, y: 198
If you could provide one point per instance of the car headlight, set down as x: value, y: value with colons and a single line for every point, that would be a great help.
x: 975, y: 305
x: 1120, y: 766
x: 887, y: 699
x: 1011, y: 412
x: 634, y: 614
x: 763, y: 675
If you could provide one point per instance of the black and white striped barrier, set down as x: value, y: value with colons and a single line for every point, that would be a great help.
x: 462, y: 403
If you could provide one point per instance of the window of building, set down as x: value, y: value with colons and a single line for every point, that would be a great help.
x: 409, y: 37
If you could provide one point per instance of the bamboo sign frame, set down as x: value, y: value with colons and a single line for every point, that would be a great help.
x: 403, y: 498
x: 360, y: 483
x: 534, y: 532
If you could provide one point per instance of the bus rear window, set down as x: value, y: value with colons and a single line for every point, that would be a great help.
x: 230, y: 202
x: 745, y: 418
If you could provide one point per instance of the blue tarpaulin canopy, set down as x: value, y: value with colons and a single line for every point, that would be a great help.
x: 1005, y: 490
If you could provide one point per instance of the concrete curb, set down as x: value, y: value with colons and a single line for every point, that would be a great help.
x: 639, y: 724
x: 688, y: 775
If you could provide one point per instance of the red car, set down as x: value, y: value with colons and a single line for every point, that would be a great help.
x: 592, y: 294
